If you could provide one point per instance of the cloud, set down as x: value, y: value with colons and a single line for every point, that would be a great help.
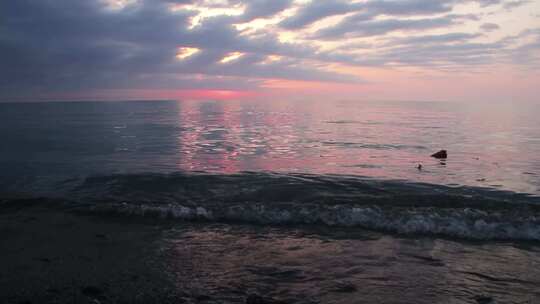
x: 430, y: 39
x: 317, y: 10
x: 489, y: 27
x: 526, y: 54
x: 484, y: 3
x: 264, y: 8
x: 452, y: 52
x: 355, y: 26
x: 453, y: 55
x: 510, y: 5
x: 408, y: 7
x: 74, y: 45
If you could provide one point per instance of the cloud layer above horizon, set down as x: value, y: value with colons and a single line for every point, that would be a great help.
x: 66, y: 48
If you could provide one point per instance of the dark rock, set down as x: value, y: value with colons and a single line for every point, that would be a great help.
x: 440, y: 154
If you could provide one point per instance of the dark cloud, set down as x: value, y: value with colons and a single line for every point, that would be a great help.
x: 75, y: 45
x: 355, y: 26
x: 264, y: 8
x: 456, y: 52
x: 489, y: 27
x: 430, y: 39
x: 484, y: 3
x: 514, y: 4
x: 462, y: 54
x: 319, y: 9
x: 408, y: 7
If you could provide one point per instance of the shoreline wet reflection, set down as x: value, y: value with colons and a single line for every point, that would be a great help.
x: 229, y: 263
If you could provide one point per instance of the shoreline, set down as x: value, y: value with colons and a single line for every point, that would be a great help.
x: 50, y: 256
x: 55, y: 256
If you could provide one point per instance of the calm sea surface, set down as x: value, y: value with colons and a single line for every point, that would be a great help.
x: 489, y: 145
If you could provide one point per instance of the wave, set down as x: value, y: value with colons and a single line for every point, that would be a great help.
x: 466, y: 223
x: 357, y: 145
x: 291, y: 199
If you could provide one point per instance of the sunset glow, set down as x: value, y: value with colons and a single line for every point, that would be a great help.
x: 375, y: 49
x: 231, y: 57
x: 185, y: 52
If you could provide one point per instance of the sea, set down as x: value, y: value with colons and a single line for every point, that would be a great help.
x: 345, y: 191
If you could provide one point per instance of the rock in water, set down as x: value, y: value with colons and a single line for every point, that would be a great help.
x: 440, y: 154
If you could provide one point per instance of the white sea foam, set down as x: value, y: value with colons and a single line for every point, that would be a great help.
x: 464, y: 223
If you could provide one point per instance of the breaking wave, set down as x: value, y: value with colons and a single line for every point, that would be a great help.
x: 291, y: 199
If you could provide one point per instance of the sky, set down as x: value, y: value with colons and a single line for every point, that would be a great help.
x: 463, y: 50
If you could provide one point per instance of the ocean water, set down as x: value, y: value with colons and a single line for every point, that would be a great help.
x: 299, y: 202
x: 489, y: 145
x: 344, y: 164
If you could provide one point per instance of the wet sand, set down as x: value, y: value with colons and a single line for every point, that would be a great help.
x: 53, y: 256
x: 56, y: 257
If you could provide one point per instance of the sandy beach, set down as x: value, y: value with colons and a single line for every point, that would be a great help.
x: 52, y: 256
x: 55, y: 256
